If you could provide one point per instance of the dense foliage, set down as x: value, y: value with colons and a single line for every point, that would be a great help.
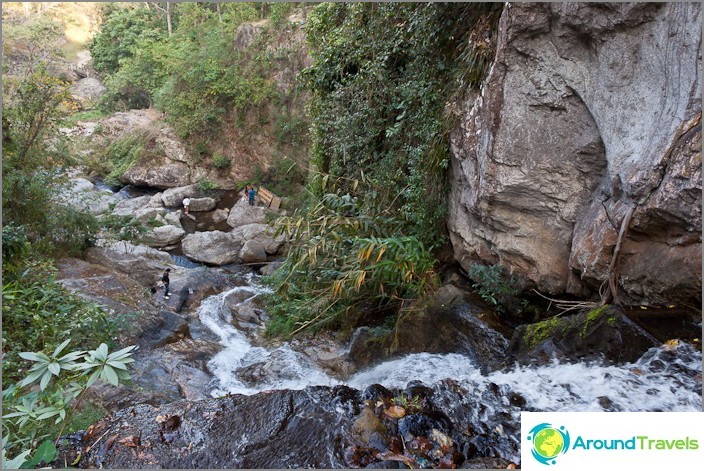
x: 382, y: 76
x: 333, y: 274
x: 196, y: 75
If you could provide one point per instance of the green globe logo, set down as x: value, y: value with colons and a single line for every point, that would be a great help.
x: 548, y: 442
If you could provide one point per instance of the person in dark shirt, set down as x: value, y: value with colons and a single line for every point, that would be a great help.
x: 165, y: 280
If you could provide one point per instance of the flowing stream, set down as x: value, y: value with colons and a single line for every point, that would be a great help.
x: 667, y: 378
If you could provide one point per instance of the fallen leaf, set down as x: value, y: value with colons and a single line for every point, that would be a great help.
x: 410, y: 462
x: 395, y: 412
x: 130, y: 441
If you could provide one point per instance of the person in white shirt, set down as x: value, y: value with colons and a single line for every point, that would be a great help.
x: 186, y: 204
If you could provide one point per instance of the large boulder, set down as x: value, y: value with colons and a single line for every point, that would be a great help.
x: 262, y: 233
x: 82, y: 195
x: 212, y: 247
x: 163, y: 235
x: 87, y: 91
x: 243, y: 214
x: 253, y: 252
x: 128, y: 207
x: 141, y: 263
x: 601, y: 333
x: 173, y: 197
x: 278, y: 430
x: 581, y: 118
x: 167, y: 175
x: 202, y: 204
x: 453, y: 322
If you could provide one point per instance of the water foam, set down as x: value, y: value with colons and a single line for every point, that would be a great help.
x: 666, y: 378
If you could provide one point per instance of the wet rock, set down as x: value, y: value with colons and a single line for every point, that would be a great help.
x: 280, y: 365
x: 367, y: 424
x: 253, y: 252
x: 173, y: 327
x: 277, y: 430
x: 270, y: 267
x: 416, y: 389
x: 452, y: 323
x: 163, y: 236
x: 418, y: 425
x: 376, y: 392
x: 213, y: 247
x: 605, y: 332
x: 607, y: 404
x: 368, y: 345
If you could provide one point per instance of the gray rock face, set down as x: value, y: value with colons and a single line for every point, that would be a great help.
x: 167, y: 175
x: 128, y: 207
x: 213, y: 247
x: 587, y: 110
x: 219, y: 215
x: 173, y: 197
x: 82, y: 195
x: 253, y: 252
x: 261, y: 233
x: 202, y: 204
x: 164, y: 235
x: 87, y: 91
x: 242, y: 214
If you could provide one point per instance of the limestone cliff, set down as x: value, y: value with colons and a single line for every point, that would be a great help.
x: 589, y: 110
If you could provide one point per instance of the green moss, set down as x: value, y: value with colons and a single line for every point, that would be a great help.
x: 592, y: 316
x: 536, y: 333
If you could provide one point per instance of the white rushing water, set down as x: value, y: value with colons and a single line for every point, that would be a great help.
x: 666, y: 379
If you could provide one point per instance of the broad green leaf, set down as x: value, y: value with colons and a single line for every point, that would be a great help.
x: 15, y: 462
x: 101, y: 353
x: 34, y: 356
x: 110, y: 375
x: 61, y: 347
x: 45, y: 380
x: 54, y: 368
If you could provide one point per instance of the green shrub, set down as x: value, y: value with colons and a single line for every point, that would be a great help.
x: 496, y: 287
x: 220, y: 161
x: 205, y: 186
x: 342, y: 264
x: 39, y: 408
x: 122, y: 154
x: 38, y: 314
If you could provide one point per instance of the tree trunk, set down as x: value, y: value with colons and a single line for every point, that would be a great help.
x: 168, y: 18
x: 217, y: 7
x: 611, y: 293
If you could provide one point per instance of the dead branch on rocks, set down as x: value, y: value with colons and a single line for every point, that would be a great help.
x: 566, y: 306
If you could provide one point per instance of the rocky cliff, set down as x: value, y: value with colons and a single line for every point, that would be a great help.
x: 589, y: 122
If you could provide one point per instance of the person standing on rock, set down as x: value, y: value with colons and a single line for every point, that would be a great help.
x: 186, y: 204
x: 251, y: 196
x: 165, y: 280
